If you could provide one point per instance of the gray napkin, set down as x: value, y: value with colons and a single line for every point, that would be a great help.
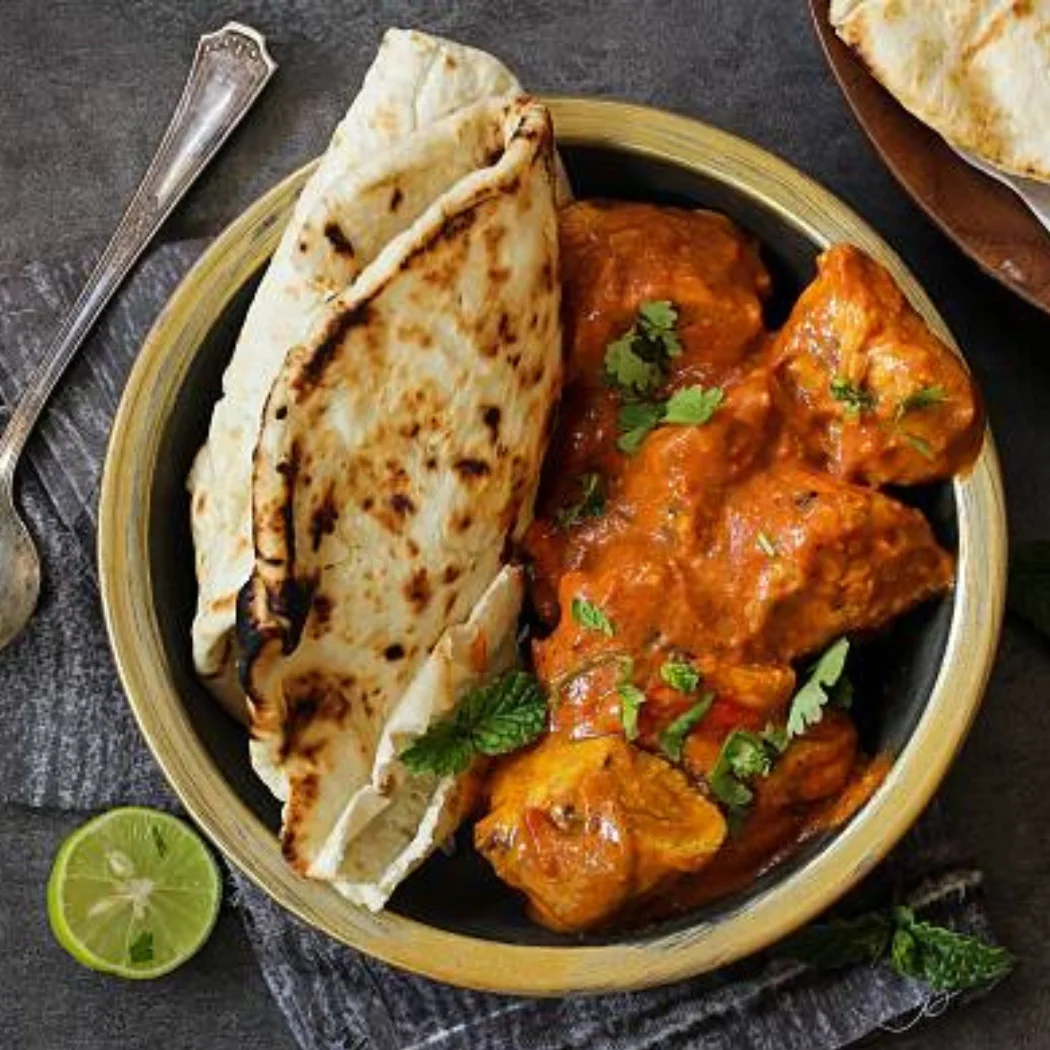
x: 69, y: 740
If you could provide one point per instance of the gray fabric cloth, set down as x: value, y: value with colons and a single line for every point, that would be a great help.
x: 69, y: 741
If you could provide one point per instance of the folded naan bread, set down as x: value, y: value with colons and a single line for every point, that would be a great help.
x: 976, y: 71
x: 396, y: 466
x: 344, y: 217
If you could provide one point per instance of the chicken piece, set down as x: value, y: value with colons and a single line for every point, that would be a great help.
x: 870, y: 391
x: 586, y: 827
x: 802, y: 558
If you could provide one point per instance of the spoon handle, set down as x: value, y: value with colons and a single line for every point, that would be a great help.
x: 229, y: 70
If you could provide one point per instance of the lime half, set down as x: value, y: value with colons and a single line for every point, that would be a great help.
x: 133, y: 892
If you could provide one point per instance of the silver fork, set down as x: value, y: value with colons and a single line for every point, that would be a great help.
x: 229, y: 70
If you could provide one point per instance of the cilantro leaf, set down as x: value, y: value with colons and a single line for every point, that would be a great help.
x: 658, y: 321
x: 776, y: 738
x: 924, y: 397
x: 637, y: 362
x: 693, y: 405
x: 635, y: 420
x: 591, y: 503
x: 941, y: 958
x: 588, y: 615
x: 855, y: 399
x: 672, y: 739
x: 1028, y: 595
x: 744, y: 756
x: 681, y: 675
x: 807, y: 705
x: 626, y: 367
x: 631, y: 700
x: 141, y: 948
x: 493, y: 719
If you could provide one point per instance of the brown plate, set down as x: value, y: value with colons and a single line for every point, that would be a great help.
x: 986, y: 220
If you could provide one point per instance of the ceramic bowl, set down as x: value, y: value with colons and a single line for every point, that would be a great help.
x: 920, y: 685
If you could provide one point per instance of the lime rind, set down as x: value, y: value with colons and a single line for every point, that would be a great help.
x: 133, y: 893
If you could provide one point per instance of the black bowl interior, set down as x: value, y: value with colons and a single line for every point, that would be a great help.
x: 893, y: 673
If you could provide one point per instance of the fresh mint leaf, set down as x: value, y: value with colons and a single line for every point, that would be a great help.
x: 494, y: 719
x: 681, y: 675
x: 588, y: 615
x: 807, y: 705
x: 672, y: 739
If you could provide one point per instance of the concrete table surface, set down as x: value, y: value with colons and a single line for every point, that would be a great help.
x: 85, y: 90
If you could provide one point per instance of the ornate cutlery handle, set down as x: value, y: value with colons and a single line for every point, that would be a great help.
x: 229, y: 70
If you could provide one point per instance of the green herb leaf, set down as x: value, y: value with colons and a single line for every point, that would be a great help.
x: 765, y: 545
x: 588, y: 615
x: 658, y: 320
x: 141, y: 948
x: 744, y: 755
x: 776, y: 738
x: 631, y: 700
x: 1028, y: 595
x: 591, y: 503
x: 672, y: 739
x: 807, y: 705
x: 921, y: 445
x: 627, y: 369
x: 692, y: 406
x: 945, y: 960
x: 681, y: 675
x: 924, y: 397
x: 842, y: 942
x: 855, y: 399
x: 637, y: 362
x: 493, y: 719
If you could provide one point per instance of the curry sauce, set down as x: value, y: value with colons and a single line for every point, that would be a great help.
x: 740, y: 547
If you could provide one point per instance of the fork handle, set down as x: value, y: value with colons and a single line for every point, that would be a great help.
x: 229, y: 70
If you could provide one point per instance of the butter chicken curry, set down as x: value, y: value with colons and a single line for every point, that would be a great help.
x: 711, y: 529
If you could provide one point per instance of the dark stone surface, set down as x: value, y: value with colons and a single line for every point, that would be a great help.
x: 85, y: 89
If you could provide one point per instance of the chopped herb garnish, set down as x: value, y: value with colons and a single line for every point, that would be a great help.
x: 744, y: 756
x: 588, y: 615
x: 691, y: 406
x: 921, y: 445
x: 672, y: 739
x: 637, y: 362
x: 631, y: 700
x: 765, y: 545
x: 493, y: 719
x: 591, y: 503
x: 941, y: 958
x: 141, y: 948
x: 807, y: 706
x: 681, y: 675
x: 855, y: 399
x: 924, y: 397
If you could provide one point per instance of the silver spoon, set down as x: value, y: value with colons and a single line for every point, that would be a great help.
x: 229, y: 70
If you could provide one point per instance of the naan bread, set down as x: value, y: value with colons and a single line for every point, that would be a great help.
x: 977, y: 71
x: 397, y: 463
x: 343, y: 218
